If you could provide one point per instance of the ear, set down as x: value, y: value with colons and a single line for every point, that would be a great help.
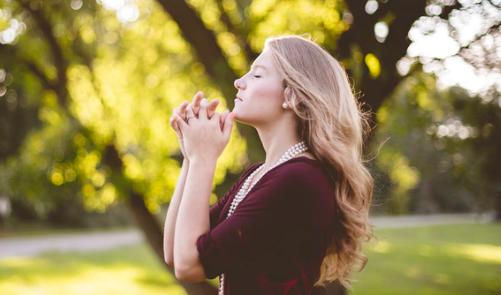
x: 291, y: 97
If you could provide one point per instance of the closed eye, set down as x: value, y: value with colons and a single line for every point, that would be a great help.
x: 257, y: 76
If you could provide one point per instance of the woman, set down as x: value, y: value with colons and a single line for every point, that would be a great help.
x: 296, y: 220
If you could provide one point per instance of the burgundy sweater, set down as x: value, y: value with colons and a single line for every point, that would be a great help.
x: 275, y: 241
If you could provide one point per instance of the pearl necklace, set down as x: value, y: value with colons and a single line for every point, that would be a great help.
x: 293, y: 151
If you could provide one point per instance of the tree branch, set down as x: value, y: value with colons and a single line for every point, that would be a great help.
x: 56, y: 51
x: 204, y: 43
x: 394, y: 47
x: 238, y: 32
x: 12, y: 53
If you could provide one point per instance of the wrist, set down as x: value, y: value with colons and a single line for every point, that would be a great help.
x: 202, y: 162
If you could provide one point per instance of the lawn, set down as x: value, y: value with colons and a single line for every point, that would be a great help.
x: 452, y: 259
x: 434, y: 260
x: 124, y: 270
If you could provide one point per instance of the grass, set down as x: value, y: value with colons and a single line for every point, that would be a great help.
x: 434, y: 260
x: 452, y: 259
x: 124, y: 270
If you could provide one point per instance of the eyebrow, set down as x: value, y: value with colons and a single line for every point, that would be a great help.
x: 258, y: 66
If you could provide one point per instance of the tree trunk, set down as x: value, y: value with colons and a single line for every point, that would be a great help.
x: 153, y: 234
x: 145, y: 220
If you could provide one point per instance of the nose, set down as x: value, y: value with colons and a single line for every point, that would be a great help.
x: 239, y: 83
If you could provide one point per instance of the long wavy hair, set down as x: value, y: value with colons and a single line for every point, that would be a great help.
x: 333, y: 126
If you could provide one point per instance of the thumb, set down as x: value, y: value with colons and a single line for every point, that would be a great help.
x: 228, y: 124
x: 222, y: 119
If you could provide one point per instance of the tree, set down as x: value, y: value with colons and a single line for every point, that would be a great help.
x: 63, y: 53
x: 89, y: 57
x: 471, y: 133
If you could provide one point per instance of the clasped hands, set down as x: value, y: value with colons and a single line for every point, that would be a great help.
x: 202, y: 132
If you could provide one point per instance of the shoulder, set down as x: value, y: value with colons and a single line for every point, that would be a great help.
x: 301, y: 180
x: 301, y: 175
x: 301, y: 171
x: 310, y: 187
x: 305, y: 186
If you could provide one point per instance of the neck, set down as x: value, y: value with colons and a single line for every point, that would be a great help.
x: 277, y: 138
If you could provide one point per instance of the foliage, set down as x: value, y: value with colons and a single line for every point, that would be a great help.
x: 106, y: 74
x: 432, y: 170
x: 123, y: 81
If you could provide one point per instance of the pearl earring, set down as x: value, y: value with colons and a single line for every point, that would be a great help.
x: 284, y: 105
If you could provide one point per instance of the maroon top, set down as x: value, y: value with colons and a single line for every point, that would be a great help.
x: 275, y: 241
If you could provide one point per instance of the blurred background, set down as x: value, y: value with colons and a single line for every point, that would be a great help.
x: 88, y: 161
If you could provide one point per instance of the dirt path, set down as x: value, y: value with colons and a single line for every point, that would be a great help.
x: 433, y: 219
x: 30, y: 246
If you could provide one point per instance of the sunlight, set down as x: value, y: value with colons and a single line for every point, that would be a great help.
x: 382, y: 247
x: 88, y: 279
x: 478, y: 252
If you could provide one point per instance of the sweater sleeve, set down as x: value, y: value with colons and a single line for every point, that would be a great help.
x: 270, y: 208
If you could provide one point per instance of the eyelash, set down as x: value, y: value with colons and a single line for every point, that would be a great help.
x: 257, y: 76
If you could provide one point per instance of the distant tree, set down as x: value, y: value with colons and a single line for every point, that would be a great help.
x: 472, y: 133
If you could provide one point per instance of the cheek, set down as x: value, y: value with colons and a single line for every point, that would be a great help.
x: 268, y: 92
x: 263, y: 102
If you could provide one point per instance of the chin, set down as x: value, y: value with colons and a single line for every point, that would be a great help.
x: 238, y: 114
x: 239, y: 117
x: 251, y: 119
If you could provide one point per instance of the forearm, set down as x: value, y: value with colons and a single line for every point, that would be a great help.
x: 172, y: 212
x: 193, y: 217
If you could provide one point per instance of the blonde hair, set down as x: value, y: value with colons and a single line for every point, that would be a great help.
x: 333, y: 125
